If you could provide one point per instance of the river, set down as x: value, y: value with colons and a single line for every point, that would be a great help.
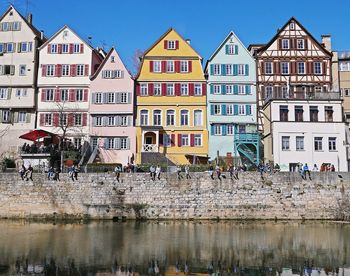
x: 175, y: 248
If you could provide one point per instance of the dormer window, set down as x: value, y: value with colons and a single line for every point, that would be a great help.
x: 171, y: 45
x: 112, y: 59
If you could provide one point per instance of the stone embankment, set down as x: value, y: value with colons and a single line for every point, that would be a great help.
x: 100, y: 196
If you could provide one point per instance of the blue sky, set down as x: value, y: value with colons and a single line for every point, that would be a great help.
x: 131, y: 25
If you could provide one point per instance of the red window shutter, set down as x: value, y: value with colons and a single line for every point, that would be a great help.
x: 324, y: 68
x: 84, y: 119
x: 163, y: 89
x: 71, y: 95
x: 177, y: 66
x: 57, y: 95
x: 59, y: 48
x: 55, y: 119
x: 70, y: 119
x: 305, y: 44
x: 262, y: 67
x: 58, y: 70
x: 204, y: 89
x: 172, y: 140
x: 86, y: 95
x: 310, y: 67
x: 276, y: 67
x: 165, y: 44
x: 192, y: 140
x: 150, y: 89
x: 279, y: 44
x: 43, y: 70
x: 43, y: 95
x: 177, y: 44
x: 179, y: 140
x: 151, y: 65
x: 177, y: 89
x: 42, y: 119
x: 49, y: 48
x: 191, y: 89
x: 163, y: 66
x: 71, y: 48
x: 86, y: 70
x: 81, y: 48
x: 190, y: 66
x: 138, y: 92
x: 73, y: 70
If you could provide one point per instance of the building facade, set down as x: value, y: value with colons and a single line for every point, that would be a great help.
x: 111, y: 109
x: 171, y: 103
x: 19, y: 41
x: 66, y: 63
x: 231, y: 101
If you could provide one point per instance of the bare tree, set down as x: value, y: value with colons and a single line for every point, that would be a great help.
x: 136, y: 61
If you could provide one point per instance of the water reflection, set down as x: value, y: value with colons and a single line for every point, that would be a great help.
x: 174, y: 248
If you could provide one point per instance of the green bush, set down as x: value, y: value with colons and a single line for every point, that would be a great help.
x: 102, y: 167
x: 9, y: 163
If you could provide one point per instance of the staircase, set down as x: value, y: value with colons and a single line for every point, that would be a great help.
x: 86, y: 153
x: 248, y: 153
x: 155, y: 158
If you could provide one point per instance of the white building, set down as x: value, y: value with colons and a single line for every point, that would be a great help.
x: 308, y: 129
x: 19, y: 41
x: 66, y: 62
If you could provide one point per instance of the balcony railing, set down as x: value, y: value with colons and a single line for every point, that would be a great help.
x: 150, y: 148
x: 247, y: 137
x: 302, y: 95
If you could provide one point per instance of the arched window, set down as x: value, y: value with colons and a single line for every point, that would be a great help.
x: 170, y: 118
x: 184, y: 117
x: 157, y: 117
x: 144, y: 117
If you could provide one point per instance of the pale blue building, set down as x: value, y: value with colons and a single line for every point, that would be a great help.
x: 231, y: 102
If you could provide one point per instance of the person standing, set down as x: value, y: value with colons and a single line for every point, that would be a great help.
x: 211, y: 172
x: 218, y: 172
x: 178, y: 169
x: 187, y: 172
x: 152, y: 171
x: 29, y: 173
x: 22, y: 171
x: 158, y: 171
x: 117, y: 172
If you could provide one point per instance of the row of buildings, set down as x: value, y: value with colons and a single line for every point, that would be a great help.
x: 282, y: 102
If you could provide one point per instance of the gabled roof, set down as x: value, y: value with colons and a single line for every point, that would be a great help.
x: 31, y: 26
x: 61, y: 30
x: 302, y: 27
x: 231, y: 33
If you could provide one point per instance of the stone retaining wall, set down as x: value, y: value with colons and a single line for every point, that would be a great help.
x: 100, y: 196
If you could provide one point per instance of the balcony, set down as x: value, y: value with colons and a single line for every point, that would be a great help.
x: 247, y: 137
x: 302, y: 95
x: 150, y: 148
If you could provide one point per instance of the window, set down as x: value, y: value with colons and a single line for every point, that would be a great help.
x: 217, y: 69
x: 63, y: 119
x: 1, y: 48
x: 5, y: 26
x: 231, y: 49
x: 54, y: 48
x: 317, y: 68
x: 65, y: 70
x: 22, y: 117
x: 77, y: 142
x: 110, y: 97
x: 285, y: 142
x: 198, y: 118
x: 48, y: 119
x: 301, y: 68
x: 268, y: 68
x: 318, y: 88
x: 241, y: 129
x: 184, y: 140
x: 21, y: 92
x: 23, y: 46
x: 170, y: 89
x: 78, y: 119
x: 171, y: 45
x: 318, y: 143
x: 198, y: 140
x: 346, y: 92
x: 241, y: 89
x: 230, y: 130
x: 144, y: 89
x: 332, y: 143
x: 64, y: 95
x: 50, y: 70
x: 343, y: 65
x: 3, y: 93
x: 284, y: 68
x: 110, y: 143
x: 16, y: 26
x: 170, y: 66
x: 123, y: 97
x: 292, y: 26
x: 111, y: 120
x: 299, y: 143
x: 184, y: 89
x: 298, y: 110
x: 313, y: 114
x: 241, y: 69
x: 217, y: 89
x: 157, y: 117
x: 124, y: 120
x: 6, y: 116
x: 283, y: 113
x: 10, y: 47
x: 49, y: 95
x: 268, y: 92
x: 157, y: 68
x: 229, y: 89
x: 79, y: 95
x: 241, y: 109
x: 94, y: 142
x: 183, y: 66
x: 166, y: 140
x: 217, y: 129
x: 157, y: 89
x: 112, y: 59
x: 65, y: 48
x: 197, y: 89
x: 76, y: 48
x: 217, y: 109
x: 285, y: 43
x: 98, y: 98
x: 300, y: 44
x: 229, y: 69
x: 328, y: 113
x: 229, y: 109
x: 170, y: 118
x: 184, y: 117
x: 99, y: 121
x: 144, y: 117
x: 123, y: 143
x: 80, y: 70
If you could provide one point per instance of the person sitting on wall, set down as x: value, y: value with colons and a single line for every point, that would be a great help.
x: 332, y: 168
x: 22, y: 171
x: 29, y: 173
x: 211, y: 171
x: 71, y: 171
x: 315, y: 168
x: 276, y: 168
x: 117, y: 171
x: 152, y: 171
x: 50, y: 173
x: 306, y: 171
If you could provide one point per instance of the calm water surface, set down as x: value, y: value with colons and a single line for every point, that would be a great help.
x: 175, y: 248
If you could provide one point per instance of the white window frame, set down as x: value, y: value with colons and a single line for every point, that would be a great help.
x: 171, y: 45
x: 80, y: 70
x: 283, y: 67
x: 229, y: 69
x: 50, y: 70
x: 170, y: 117
x: 241, y: 70
x: 241, y: 109
x: 184, y: 66
x: 300, y: 43
x: 318, y: 143
x: 317, y: 68
x: 144, y: 117
x: 217, y: 89
x: 198, y: 89
x: 184, y: 89
x: 22, y: 70
x: 185, y: 141
x: 157, y: 66
x: 22, y: 117
x: 170, y: 89
x: 217, y: 109
x: 195, y: 119
x: 230, y: 109
x: 98, y: 98
x: 79, y: 95
x: 98, y: 121
x: 285, y: 143
x: 157, y: 89
x: 285, y: 44
x: 332, y: 143
x: 65, y: 48
x: 184, y: 117
x: 78, y: 119
x: 230, y: 129
x: 198, y: 140
x: 143, y: 89
x: 76, y: 48
x: 64, y: 95
x: 229, y: 89
x: 54, y: 48
x: 65, y: 70
x: 299, y: 143
x: 48, y: 119
x: 157, y: 117
x: 50, y: 95
x: 216, y: 69
x: 217, y: 129
x: 301, y: 68
x: 170, y: 66
x: 268, y: 68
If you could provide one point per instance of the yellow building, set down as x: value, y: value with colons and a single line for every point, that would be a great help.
x: 171, y: 103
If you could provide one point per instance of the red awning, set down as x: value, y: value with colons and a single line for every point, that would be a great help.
x: 37, y: 134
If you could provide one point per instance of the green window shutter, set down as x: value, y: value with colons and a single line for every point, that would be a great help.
x: 223, y: 69
x: 226, y: 49
x: 248, y: 89
x: 248, y: 109
x: 235, y: 69
x: 247, y: 70
x: 223, y: 89
x: 235, y: 109
x: 211, y: 109
x: 211, y: 89
x: 223, y: 130
x: 0, y: 113
x: 212, y: 69
x: 223, y: 109
x: 236, y: 49
x: 235, y: 89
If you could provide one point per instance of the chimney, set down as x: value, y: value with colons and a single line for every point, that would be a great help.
x: 327, y: 42
x: 42, y: 35
x: 188, y: 41
x: 29, y: 18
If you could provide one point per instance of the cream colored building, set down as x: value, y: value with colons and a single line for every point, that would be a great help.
x: 19, y: 41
